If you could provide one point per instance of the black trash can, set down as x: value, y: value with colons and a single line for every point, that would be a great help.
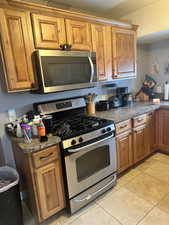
x: 10, y: 201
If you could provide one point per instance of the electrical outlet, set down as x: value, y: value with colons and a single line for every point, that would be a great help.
x: 12, y: 115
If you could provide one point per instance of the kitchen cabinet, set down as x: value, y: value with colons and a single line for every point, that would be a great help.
x: 151, y: 131
x: 101, y: 41
x: 17, y: 48
x: 124, y: 53
x: 124, y: 151
x: 79, y: 34
x: 141, y: 147
x: 49, y: 188
x: 42, y: 178
x: 25, y: 27
x: 162, y: 129
x: 49, y: 32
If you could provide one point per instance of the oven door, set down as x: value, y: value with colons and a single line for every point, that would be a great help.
x: 89, y: 165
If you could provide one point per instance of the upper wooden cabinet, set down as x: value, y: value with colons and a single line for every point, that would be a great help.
x: 124, y: 53
x: 17, y: 48
x: 101, y: 40
x: 79, y: 34
x: 49, y: 32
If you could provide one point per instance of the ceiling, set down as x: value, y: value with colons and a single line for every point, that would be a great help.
x: 108, y: 8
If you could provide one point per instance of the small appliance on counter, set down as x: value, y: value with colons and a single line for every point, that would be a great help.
x: 115, y: 101
x: 122, y: 94
x: 102, y: 105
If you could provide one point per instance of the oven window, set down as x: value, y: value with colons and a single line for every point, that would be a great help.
x: 62, y: 70
x: 92, y: 162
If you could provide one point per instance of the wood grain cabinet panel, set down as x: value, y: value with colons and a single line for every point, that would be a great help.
x: 141, y: 147
x: 79, y: 35
x: 17, y: 49
x: 49, y: 32
x: 124, y: 151
x: 124, y: 53
x: 162, y: 129
x: 101, y: 40
x: 50, y: 190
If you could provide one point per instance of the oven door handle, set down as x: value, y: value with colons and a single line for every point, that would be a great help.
x: 89, y: 196
x: 97, y: 142
x: 92, y: 69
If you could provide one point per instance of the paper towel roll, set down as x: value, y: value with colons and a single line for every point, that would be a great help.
x: 166, y: 91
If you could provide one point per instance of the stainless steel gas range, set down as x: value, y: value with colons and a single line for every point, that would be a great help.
x: 88, y: 150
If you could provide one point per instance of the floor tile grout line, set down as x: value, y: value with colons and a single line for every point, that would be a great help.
x: 156, y: 178
x: 145, y: 215
x: 80, y: 214
x: 155, y: 206
x: 111, y: 215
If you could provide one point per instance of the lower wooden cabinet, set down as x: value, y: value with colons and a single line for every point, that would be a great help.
x: 162, y: 129
x: 124, y: 151
x: 41, y: 177
x: 50, y: 189
x: 141, y: 147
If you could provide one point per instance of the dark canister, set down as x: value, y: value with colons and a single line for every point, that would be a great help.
x: 48, y: 122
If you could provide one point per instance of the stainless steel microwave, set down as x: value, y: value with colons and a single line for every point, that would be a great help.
x: 65, y: 70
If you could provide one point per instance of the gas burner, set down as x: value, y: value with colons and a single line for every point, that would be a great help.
x: 77, y: 125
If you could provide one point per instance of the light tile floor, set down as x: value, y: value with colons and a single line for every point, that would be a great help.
x: 141, y: 197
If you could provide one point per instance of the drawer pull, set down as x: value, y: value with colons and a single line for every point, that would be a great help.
x: 139, y: 120
x: 46, y: 156
x: 121, y: 127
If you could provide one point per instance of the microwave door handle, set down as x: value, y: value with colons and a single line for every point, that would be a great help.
x: 92, y: 69
x: 81, y: 148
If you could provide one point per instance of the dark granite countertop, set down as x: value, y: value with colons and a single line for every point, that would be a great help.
x: 36, y: 145
x: 128, y: 112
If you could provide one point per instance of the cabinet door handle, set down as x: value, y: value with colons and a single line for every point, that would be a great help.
x: 46, y: 156
x: 121, y: 127
x: 139, y: 120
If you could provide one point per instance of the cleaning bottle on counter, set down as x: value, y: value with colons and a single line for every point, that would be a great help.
x: 41, y: 129
x: 19, y: 130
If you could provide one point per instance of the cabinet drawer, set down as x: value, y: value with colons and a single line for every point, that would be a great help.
x: 140, y: 120
x: 123, y: 126
x: 45, y: 156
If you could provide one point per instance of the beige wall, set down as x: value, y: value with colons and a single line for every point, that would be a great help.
x: 152, y: 18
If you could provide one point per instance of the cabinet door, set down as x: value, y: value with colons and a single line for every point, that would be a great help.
x: 140, y: 143
x: 50, y: 189
x: 101, y: 40
x: 79, y: 35
x: 49, y: 32
x: 17, y: 49
x: 151, y: 131
x: 162, y: 129
x: 124, y: 53
x: 124, y: 151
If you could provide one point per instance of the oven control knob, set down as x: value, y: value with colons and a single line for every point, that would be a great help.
x: 103, y: 131
x: 108, y: 129
x: 73, y: 142
x: 80, y: 139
